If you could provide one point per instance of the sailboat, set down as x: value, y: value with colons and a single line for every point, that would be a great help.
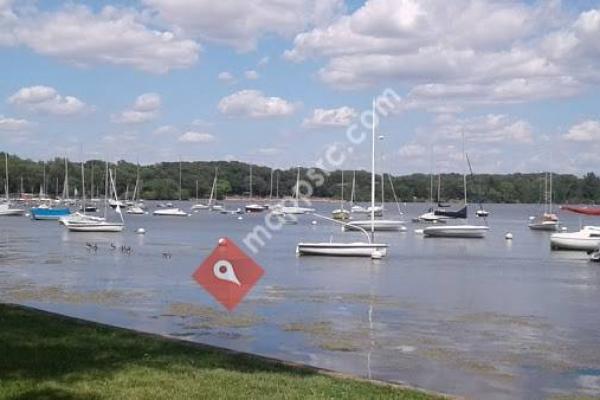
x: 6, y: 209
x: 379, y: 224
x: 548, y: 221
x: 97, y: 224
x: 295, y: 209
x: 341, y: 213
x: 430, y: 216
x: 457, y: 231
x: 253, y: 207
x: 135, y: 207
x: 355, y: 249
x: 209, y: 205
x: 81, y: 217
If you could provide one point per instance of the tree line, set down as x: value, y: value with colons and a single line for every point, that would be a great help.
x: 161, y: 182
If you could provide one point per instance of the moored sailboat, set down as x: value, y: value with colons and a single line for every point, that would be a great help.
x: 353, y: 249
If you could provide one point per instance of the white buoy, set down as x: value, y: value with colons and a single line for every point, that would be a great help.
x: 564, y: 229
x: 145, y: 212
x: 140, y: 231
x: 418, y: 231
x: 508, y: 236
x: 531, y: 217
x: 314, y: 222
x: 240, y: 218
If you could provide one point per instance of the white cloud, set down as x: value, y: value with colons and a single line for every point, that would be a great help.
x: 483, y: 51
x: 251, y: 74
x: 242, y: 24
x: 253, y: 104
x: 13, y: 124
x: 586, y: 131
x: 196, y: 137
x: 269, y: 151
x: 226, y: 77
x: 263, y: 61
x: 487, y: 129
x: 117, y: 36
x: 46, y: 99
x: 144, y: 109
x: 165, y: 130
x: 336, y: 117
x: 412, y: 150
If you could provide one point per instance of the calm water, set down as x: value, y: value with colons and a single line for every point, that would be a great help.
x: 487, y: 318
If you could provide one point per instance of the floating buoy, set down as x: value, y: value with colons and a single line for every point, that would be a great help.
x: 146, y: 212
x: 418, y: 231
x: 531, y: 217
x: 140, y: 231
x: 508, y: 236
x: 564, y: 229
x: 314, y: 222
x: 240, y: 218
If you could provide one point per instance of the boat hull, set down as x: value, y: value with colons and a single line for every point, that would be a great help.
x: 12, y: 212
x: 548, y: 227
x: 456, y: 231
x: 584, y: 240
x: 378, y: 225
x: 341, y: 249
x: 173, y: 212
x: 49, y: 214
x: 107, y: 227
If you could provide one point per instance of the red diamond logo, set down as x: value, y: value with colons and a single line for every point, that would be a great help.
x: 228, y: 274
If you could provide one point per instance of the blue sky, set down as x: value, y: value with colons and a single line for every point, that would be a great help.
x: 257, y: 81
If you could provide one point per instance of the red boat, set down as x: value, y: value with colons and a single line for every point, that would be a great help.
x: 585, y: 210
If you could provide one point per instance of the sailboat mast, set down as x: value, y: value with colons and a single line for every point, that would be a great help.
x: 464, y: 167
x: 66, y: 184
x: 44, y: 180
x: 83, y: 187
x: 373, y: 173
x: 297, y: 185
x: 353, y: 187
x: 550, y: 194
x: 250, y: 181
x: 342, y: 198
x: 105, y: 187
x: 92, y: 183
x: 277, y: 186
x: 6, y: 178
x: 439, y: 187
x: 546, y: 191
x: 271, y: 187
x: 180, y: 179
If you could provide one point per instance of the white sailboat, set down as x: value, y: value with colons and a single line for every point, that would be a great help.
x: 209, y: 205
x: 430, y: 216
x: 587, y: 239
x: 6, y: 210
x: 341, y: 213
x: 96, y: 224
x: 355, y: 249
x: 458, y: 231
x: 295, y: 209
x: 135, y: 207
x: 377, y: 224
x: 253, y: 207
x: 548, y: 221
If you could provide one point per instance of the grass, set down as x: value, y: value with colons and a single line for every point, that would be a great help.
x: 43, y: 356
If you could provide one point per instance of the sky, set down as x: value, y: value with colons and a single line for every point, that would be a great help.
x: 278, y: 82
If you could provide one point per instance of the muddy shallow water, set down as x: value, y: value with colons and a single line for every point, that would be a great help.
x: 489, y: 318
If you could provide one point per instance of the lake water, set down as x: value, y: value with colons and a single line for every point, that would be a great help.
x: 484, y: 318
